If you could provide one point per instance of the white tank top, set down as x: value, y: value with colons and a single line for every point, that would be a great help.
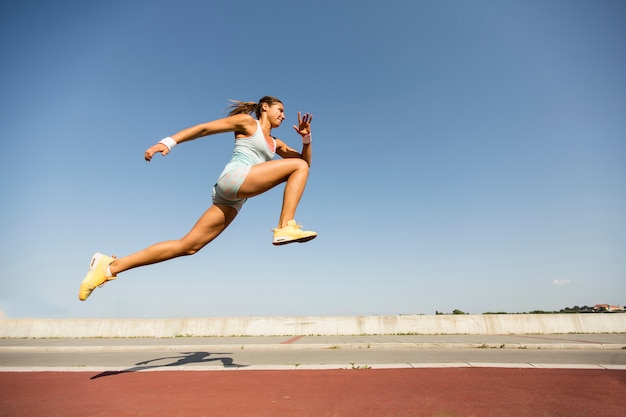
x: 251, y: 150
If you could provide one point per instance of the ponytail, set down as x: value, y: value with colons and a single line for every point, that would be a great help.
x: 249, y: 107
x: 242, y: 107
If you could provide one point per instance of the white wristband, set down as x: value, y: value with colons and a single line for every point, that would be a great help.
x: 306, y: 139
x: 169, y: 142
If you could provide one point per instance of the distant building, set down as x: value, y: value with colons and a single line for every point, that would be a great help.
x: 607, y: 308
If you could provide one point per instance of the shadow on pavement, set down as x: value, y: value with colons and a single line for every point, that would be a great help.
x: 185, y: 359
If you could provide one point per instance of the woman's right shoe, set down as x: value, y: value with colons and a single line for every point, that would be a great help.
x: 97, y: 275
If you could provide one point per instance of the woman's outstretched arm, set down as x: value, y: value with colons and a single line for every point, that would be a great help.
x: 240, y: 123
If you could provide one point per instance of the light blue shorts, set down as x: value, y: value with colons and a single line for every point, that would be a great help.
x: 227, y: 186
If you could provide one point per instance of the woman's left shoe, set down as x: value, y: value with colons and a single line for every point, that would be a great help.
x: 292, y: 233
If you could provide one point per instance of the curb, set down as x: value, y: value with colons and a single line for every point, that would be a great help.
x: 317, y: 367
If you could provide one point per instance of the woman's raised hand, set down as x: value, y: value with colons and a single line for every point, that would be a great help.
x: 304, y: 124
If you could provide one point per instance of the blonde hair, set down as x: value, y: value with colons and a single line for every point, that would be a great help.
x: 249, y: 107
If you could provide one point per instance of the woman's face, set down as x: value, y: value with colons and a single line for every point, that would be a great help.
x: 275, y: 114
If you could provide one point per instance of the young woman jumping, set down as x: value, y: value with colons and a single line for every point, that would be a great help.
x: 251, y: 171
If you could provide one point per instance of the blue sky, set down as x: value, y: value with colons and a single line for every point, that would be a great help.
x: 467, y: 155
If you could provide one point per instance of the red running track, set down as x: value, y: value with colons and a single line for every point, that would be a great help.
x: 443, y: 392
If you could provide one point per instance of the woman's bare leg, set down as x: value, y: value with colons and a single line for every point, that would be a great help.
x: 208, y: 227
x: 265, y: 176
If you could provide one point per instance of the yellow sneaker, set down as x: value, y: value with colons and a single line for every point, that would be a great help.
x: 97, y: 275
x: 291, y: 234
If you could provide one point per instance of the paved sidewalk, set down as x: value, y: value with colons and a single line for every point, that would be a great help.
x: 552, y: 341
x: 580, y: 351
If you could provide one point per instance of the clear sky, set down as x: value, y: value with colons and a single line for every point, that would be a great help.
x: 467, y: 154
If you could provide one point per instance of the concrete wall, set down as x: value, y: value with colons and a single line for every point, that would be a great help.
x: 316, y: 325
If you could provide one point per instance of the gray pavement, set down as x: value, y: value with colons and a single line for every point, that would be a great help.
x: 589, y: 351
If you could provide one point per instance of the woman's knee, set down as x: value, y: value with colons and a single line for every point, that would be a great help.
x: 192, y: 250
x: 303, y: 164
x: 209, y: 226
x: 300, y: 165
x: 188, y: 248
